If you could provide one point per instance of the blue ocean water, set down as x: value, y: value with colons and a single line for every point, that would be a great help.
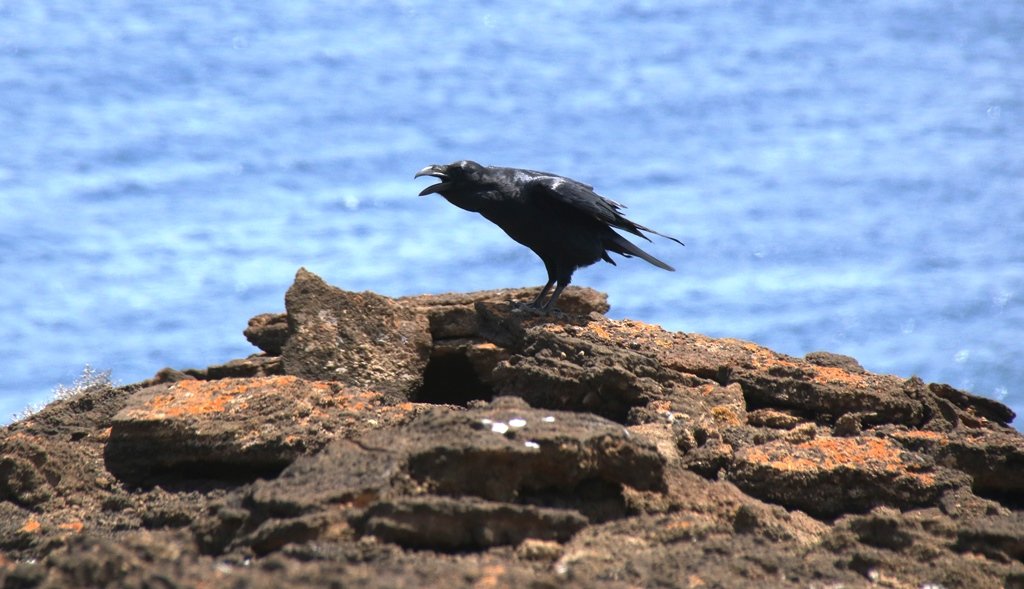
x: 846, y: 176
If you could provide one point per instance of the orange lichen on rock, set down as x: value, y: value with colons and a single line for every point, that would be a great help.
x: 726, y: 415
x: 660, y: 405
x: 838, y: 452
x: 403, y: 407
x: 491, y: 577
x: 253, y: 420
x: 31, y: 526
x: 778, y: 461
x: 200, y: 397
x: 834, y: 375
x: 599, y: 330
x: 834, y: 475
x: 633, y: 333
x: 72, y: 526
x: 653, y: 334
x: 360, y: 401
x: 923, y: 435
x: 553, y: 328
x: 175, y: 405
x: 765, y: 359
x: 679, y: 524
x: 233, y: 386
x: 831, y: 453
x: 749, y: 346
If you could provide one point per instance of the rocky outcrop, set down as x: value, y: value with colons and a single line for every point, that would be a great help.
x: 464, y: 440
x: 362, y: 339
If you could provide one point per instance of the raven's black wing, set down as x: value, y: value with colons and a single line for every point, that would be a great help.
x: 534, y: 175
x: 583, y: 198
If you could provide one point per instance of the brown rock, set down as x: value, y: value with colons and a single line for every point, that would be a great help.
x: 999, y: 538
x: 773, y: 418
x: 22, y: 482
x: 447, y: 524
x: 611, y: 368
x: 454, y: 315
x: 236, y: 428
x: 361, y: 339
x: 707, y: 467
x: 925, y: 546
x: 268, y: 332
x: 828, y: 476
x: 255, y: 365
x: 994, y: 458
x: 414, y: 484
x: 830, y: 360
x: 543, y: 550
x: 978, y: 408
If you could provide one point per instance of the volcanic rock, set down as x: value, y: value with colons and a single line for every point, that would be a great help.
x: 462, y: 440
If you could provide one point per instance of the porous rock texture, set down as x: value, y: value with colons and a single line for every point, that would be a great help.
x: 461, y: 440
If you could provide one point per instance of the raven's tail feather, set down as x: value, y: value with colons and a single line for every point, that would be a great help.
x: 623, y: 246
x: 649, y: 230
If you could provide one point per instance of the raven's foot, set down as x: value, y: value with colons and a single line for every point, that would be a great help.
x: 556, y: 313
x: 521, y: 307
x: 537, y: 310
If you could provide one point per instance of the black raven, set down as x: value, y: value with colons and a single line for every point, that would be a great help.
x: 563, y: 221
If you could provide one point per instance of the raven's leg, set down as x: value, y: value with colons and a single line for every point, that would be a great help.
x: 562, y: 283
x: 550, y: 267
x: 543, y: 293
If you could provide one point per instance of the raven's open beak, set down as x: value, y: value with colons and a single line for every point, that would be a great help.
x: 438, y: 172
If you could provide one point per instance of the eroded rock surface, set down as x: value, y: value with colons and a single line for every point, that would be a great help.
x: 463, y: 440
x: 246, y: 426
x: 361, y: 339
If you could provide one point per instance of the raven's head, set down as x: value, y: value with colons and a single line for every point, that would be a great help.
x: 452, y: 176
